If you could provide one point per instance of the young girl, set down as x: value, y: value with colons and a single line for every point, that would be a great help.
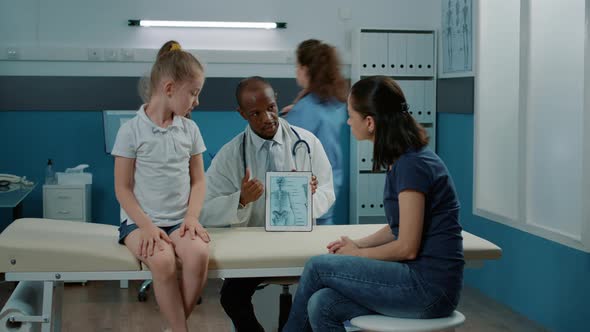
x: 320, y: 109
x: 412, y: 267
x: 160, y: 184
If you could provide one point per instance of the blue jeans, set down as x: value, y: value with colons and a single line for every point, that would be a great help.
x: 335, y: 288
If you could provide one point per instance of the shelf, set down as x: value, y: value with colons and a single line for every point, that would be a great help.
x: 409, y: 57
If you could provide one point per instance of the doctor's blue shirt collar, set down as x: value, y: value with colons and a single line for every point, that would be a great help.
x: 176, y: 122
x: 259, y: 141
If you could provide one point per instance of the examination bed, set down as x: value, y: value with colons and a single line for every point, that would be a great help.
x: 49, y: 252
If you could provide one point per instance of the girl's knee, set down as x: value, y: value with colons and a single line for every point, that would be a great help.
x: 195, y: 258
x: 193, y: 251
x: 163, y: 263
x: 188, y: 246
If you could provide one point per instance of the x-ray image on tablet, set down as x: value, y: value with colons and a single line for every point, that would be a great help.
x: 288, y: 201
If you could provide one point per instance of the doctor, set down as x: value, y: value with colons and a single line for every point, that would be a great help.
x: 235, y: 181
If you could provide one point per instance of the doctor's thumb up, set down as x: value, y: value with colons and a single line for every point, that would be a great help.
x: 251, y: 189
x: 246, y: 176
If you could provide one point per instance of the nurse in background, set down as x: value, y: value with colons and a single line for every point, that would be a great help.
x: 320, y: 107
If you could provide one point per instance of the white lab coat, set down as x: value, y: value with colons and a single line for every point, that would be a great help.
x: 224, y: 178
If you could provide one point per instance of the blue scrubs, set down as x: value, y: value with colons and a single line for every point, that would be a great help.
x: 327, y: 121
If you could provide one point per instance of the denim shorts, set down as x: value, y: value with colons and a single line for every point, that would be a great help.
x: 126, y: 229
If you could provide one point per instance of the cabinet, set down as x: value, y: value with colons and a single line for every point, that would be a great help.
x: 408, y: 56
x: 67, y: 202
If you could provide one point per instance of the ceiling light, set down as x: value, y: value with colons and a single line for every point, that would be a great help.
x: 209, y: 24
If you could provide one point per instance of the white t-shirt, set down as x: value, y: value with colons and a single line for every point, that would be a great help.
x: 162, y: 155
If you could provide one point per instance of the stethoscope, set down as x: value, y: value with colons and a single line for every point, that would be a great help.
x: 300, y: 142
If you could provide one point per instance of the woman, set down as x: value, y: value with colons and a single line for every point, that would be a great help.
x: 412, y: 267
x: 320, y: 109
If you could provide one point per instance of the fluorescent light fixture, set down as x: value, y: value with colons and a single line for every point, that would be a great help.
x: 209, y: 24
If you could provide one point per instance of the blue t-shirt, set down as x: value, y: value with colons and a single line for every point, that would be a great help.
x: 440, y: 259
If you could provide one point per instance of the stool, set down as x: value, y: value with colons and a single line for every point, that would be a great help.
x: 285, y: 299
x: 378, y: 323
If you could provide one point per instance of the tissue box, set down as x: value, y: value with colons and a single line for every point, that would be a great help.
x: 74, y: 178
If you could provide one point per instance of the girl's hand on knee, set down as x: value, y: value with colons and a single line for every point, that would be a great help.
x: 150, y: 238
x: 192, y: 226
x: 202, y: 233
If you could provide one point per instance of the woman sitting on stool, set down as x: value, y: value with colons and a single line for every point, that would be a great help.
x: 412, y: 267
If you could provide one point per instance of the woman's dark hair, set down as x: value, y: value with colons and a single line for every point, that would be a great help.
x: 396, y: 131
x: 323, y: 68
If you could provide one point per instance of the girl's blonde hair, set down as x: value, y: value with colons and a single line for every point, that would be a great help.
x: 172, y: 62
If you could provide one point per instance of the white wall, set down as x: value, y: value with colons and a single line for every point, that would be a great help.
x: 555, y: 115
x: 35, y: 26
x: 531, y: 125
x: 496, y: 193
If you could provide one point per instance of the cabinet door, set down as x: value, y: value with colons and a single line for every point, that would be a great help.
x: 413, y: 54
x: 64, y: 203
x: 365, y: 161
x: 373, y: 53
x: 363, y: 194
x: 419, y: 111
x: 370, y: 194
x: 429, y: 102
x: 409, y: 89
x: 376, y: 194
x: 425, y: 56
x: 397, y: 53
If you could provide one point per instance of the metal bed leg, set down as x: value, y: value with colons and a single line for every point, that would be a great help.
x: 58, y: 294
x: 47, y: 306
x: 123, y: 284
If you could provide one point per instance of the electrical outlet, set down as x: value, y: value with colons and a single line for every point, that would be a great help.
x: 127, y: 54
x: 95, y: 54
x: 12, y: 53
x: 110, y: 54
